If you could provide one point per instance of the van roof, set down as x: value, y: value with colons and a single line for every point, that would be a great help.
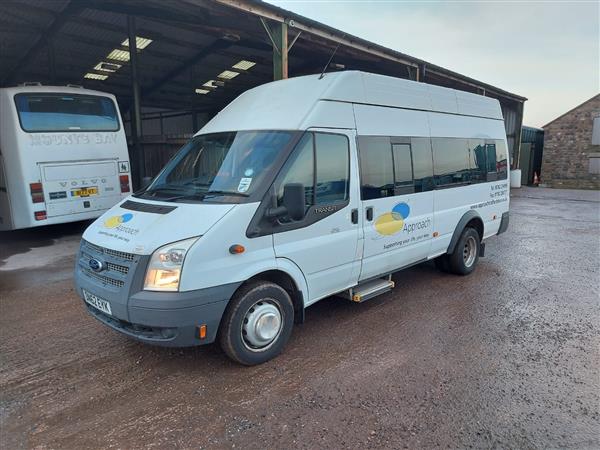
x: 286, y: 103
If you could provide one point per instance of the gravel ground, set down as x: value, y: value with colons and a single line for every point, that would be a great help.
x: 508, y: 357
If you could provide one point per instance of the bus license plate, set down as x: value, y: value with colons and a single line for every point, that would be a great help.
x: 84, y: 192
x: 97, y: 302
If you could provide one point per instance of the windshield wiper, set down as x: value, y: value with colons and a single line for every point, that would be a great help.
x: 238, y: 194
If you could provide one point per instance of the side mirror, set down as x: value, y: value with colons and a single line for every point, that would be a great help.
x: 294, y: 200
x: 293, y: 203
x: 146, y: 182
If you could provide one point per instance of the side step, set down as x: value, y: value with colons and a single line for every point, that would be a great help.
x: 370, y: 289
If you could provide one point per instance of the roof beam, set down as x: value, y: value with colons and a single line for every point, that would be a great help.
x: 323, y: 31
x: 217, y: 45
x: 68, y: 10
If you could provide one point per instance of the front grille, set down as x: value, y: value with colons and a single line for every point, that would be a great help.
x: 119, y: 265
x: 103, y: 278
x: 108, y: 251
x: 118, y: 254
x: 117, y: 268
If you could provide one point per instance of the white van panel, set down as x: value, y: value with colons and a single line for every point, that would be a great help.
x: 286, y: 104
x: 471, y: 104
x: 442, y: 99
x: 447, y: 125
x: 386, y: 91
x: 378, y: 121
x: 328, y: 114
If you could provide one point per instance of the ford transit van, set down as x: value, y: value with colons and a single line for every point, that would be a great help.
x: 298, y: 190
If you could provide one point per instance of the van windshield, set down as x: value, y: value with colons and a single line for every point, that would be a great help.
x: 219, y: 164
x: 66, y: 112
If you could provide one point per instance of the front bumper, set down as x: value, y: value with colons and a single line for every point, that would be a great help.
x: 169, y: 319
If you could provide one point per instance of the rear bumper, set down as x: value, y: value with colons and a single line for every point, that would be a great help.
x: 503, y: 223
x: 168, y: 319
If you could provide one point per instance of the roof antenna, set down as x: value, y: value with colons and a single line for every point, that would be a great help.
x: 330, y: 58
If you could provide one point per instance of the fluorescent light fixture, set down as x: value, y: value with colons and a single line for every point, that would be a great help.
x: 107, y: 67
x: 210, y: 84
x: 140, y: 42
x: 228, y: 75
x: 95, y: 76
x: 119, y: 55
x: 202, y: 91
x: 244, y: 65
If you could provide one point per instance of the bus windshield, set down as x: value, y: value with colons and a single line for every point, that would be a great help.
x: 53, y: 112
x: 219, y: 164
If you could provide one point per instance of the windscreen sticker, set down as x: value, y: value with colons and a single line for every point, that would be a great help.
x: 244, y: 184
x: 249, y: 172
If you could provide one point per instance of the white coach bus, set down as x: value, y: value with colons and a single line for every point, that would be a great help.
x: 298, y: 190
x: 63, y: 155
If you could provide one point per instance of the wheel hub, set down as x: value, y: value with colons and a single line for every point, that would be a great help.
x: 262, y: 325
x: 470, y: 251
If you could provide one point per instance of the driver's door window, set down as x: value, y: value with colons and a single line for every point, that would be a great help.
x: 300, y: 168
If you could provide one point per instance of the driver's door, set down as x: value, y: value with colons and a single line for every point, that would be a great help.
x: 324, y: 244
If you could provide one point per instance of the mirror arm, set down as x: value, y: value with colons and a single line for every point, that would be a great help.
x: 274, y: 213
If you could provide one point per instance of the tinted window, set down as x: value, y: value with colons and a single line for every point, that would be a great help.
x: 66, y: 112
x: 333, y: 167
x: 501, y: 160
x: 403, y: 171
x: 376, y: 167
x: 299, y: 169
x: 478, y: 161
x: 450, y: 161
x: 422, y: 164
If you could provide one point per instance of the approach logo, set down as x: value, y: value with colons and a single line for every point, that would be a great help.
x: 392, y: 222
x: 115, y: 221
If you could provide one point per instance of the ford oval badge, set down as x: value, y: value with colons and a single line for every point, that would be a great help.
x: 96, y: 265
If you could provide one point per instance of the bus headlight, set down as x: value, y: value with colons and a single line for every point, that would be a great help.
x: 165, y: 266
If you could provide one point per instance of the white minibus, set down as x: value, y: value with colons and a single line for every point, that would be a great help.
x: 63, y: 155
x: 298, y: 190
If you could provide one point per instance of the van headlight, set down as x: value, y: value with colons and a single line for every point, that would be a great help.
x: 164, y: 271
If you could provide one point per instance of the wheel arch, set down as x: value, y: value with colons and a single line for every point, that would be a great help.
x: 469, y: 219
x: 293, y: 282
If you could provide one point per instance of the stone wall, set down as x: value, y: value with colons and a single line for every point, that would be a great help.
x: 567, y: 146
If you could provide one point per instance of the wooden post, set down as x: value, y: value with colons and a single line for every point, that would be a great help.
x: 280, y: 54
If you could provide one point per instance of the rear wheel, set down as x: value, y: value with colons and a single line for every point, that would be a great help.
x: 463, y: 259
x: 257, y: 323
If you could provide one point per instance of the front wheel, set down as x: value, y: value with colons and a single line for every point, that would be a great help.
x: 463, y: 259
x: 257, y: 323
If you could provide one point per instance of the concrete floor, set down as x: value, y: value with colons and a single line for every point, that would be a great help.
x: 508, y: 357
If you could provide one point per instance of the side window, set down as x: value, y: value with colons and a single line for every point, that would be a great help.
x: 299, y: 169
x: 478, y: 161
x: 490, y: 152
x: 376, y: 167
x: 501, y: 160
x: 422, y: 164
x: 450, y: 161
x: 333, y: 168
x: 403, y: 169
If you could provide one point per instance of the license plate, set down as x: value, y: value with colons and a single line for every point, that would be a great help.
x: 97, y: 302
x: 84, y: 192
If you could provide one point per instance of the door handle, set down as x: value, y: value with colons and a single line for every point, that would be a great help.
x: 369, y: 213
x: 354, y: 216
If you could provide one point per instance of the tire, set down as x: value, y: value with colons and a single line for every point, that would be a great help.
x: 257, y: 323
x: 463, y: 259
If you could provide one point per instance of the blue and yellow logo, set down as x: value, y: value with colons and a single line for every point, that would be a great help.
x: 392, y: 222
x: 115, y: 221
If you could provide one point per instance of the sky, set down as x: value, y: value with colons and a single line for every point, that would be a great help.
x: 547, y: 51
